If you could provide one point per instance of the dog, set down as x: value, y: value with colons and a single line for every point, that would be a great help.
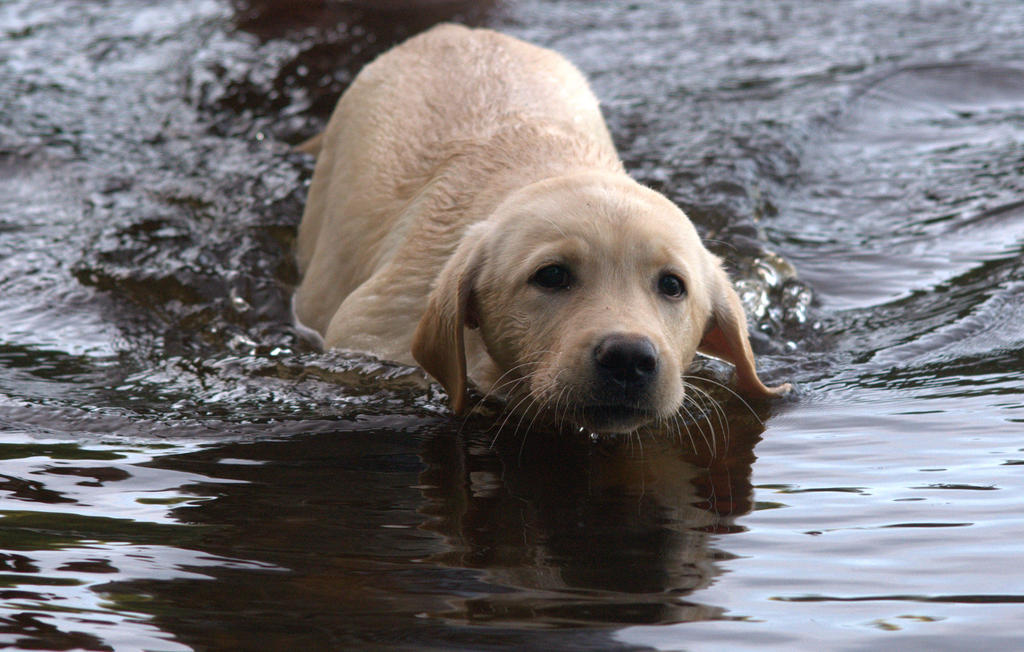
x: 469, y: 213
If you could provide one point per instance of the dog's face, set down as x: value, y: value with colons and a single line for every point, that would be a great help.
x: 595, y: 297
x: 592, y: 295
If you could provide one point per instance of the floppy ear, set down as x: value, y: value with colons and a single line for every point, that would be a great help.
x: 726, y: 338
x: 438, y: 344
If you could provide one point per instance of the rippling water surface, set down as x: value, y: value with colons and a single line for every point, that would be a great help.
x: 179, y: 470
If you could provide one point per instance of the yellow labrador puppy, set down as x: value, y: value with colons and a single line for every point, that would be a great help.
x: 469, y: 213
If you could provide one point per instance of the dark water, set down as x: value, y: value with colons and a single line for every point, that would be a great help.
x: 180, y: 471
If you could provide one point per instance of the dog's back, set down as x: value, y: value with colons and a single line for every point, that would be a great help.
x: 400, y: 150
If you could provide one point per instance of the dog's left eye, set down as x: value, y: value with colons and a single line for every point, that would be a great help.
x: 671, y: 286
x: 552, y: 277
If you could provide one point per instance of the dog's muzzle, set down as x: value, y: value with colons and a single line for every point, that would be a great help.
x: 625, y: 369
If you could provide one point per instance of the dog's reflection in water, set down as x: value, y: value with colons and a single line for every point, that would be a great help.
x: 576, y: 530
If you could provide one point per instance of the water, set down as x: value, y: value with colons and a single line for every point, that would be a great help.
x: 179, y: 470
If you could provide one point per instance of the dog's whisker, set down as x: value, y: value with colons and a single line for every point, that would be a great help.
x: 709, y: 404
x: 682, y: 425
x: 547, y: 405
x: 569, y: 406
x: 700, y: 418
x: 508, y: 415
x: 560, y: 419
x: 696, y: 416
x: 513, y: 382
x: 535, y: 400
x: 498, y: 385
x: 522, y: 443
x: 719, y: 412
x: 509, y: 383
x: 667, y: 426
x: 731, y: 391
x: 538, y: 408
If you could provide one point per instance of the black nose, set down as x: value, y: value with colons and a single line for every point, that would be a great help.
x: 631, y: 361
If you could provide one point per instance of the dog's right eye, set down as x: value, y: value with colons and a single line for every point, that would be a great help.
x: 552, y: 277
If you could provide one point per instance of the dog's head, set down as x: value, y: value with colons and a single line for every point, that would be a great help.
x: 592, y: 295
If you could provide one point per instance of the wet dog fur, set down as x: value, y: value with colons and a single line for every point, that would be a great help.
x: 469, y: 213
